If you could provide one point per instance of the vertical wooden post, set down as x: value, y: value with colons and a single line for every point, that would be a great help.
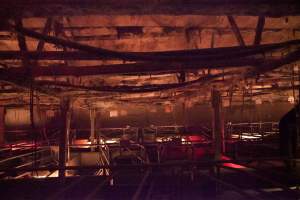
x: 218, y: 131
x: 93, y: 121
x: 218, y: 125
x: 2, y: 125
x: 65, y: 106
x: 68, y: 129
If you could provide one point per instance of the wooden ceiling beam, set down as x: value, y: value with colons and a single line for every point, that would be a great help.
x: 261, y: 64
x: 184, y: 55
x: 136, y: 89
x: 20, y: 37
x: 236, y: 30
x: 46, y: 31
x: 39, y: 8
x: 134, y: 68
x: 22, y: 44
x: 259, y: 30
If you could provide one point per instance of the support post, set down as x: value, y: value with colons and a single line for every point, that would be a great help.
x: 93, y: 121
x: 65, y: 105
x: 218, y: 132
x: 218, y: 125
x: 68, y: 128
x: 2, y: 125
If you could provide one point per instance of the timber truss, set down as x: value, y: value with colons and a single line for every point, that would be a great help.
x: 148, y: 54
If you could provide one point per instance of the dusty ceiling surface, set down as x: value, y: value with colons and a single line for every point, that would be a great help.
x: 96, y: 52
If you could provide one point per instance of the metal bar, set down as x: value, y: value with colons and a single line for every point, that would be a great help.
x: 68, y: 126
x: 275, y: 183
x: 92, y: 126
x: 59, y: 193
x: 99, y: 187
x: 138, y: 191
x: 153, y: 165
x: 218, y: 128
x: 150, y: 190
x: 229, y: 185
x: 20, y: 156
x: 32, y: 162
x: 65, y: 105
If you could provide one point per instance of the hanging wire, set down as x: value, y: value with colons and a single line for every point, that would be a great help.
x: 293, y: 84
x: 252, y: 107
x: 298, y: 67
x: 243, y: 101
x: 32, y: 126
x: 297, y: 102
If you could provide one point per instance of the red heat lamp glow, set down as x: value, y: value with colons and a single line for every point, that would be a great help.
x: 231, y: 165
x: 20, y: 145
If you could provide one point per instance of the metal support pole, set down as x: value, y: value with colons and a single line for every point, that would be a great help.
x: 92, y: 133
x: 138, y: 192
x: 218, y: 130
x: 65, y: 105
x: 2, y: 125
x: 68, y: 128
x: 218, y: 125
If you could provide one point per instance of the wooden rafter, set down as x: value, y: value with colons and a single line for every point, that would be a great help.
x: 137, y: 89
x: 259, y: 30
x: 22, y: 45
x: 265, y: 67
x: 184, y: 55
x: 137, y: 68
x: 21, y: 39
x: 46, y: 30
x: 200, y: 7
x: 236, y: 30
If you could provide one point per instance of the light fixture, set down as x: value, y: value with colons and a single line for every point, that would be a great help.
x: 291, y: 99
x: 113, y: 113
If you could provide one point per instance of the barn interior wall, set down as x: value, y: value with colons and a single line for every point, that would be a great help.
x: 137, y: 116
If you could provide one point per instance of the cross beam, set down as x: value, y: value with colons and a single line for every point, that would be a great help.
x: 236, y: 30
x: 259, y: 30
x: 42, y: 8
